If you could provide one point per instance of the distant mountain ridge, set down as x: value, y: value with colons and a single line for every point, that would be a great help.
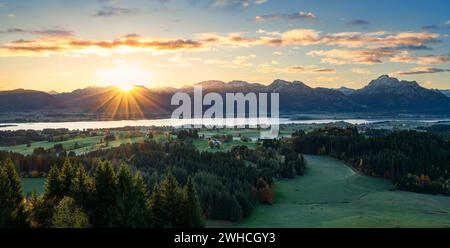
x: 445, y: 92
x: 26, y: 100
x: 390, y: 93
x: 384, y: 94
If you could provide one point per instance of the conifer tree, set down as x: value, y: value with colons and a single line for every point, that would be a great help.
x: 144, y: 215
x: 81, y: 187
x: 104, y: 194
x: 159, y: 212
x: 171, y: 198
x: 192, y: 210
x: 53, y: 184
x: 67, y: 174
x: 12, y: 209
x: 130, y: 205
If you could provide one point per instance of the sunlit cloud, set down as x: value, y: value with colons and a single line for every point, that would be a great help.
x: 360, y: 48
x: 72, y: 46
x: 421, y: 70
x: 277, y: 53
x: 306, y: 37
x: 374, y: 56
x: 343, y: 56
x: 405, y: 57
x: 309, y: 69
x: 244, y: 60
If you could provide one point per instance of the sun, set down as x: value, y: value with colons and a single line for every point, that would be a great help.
x: 123, y: 76
x: 125, y: 87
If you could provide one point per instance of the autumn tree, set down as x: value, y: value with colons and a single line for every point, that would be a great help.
x: 68, y: 215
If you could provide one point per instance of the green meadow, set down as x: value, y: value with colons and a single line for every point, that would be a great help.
x: 85, y: 144
x: 331, y: 194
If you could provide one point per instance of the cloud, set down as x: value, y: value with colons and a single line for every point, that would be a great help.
x: 412, y: 47
x: 343, y: 56
x: 358, y: 22
x: 107, y: 11
x: 361, y: 70
x: 421, y: 70
x: 243, y: 60
x: 374, y: 56
x: 353, y: 47
x: 277, y: 53
x: 237, y: 3
x: 444, y: 26
x: 71, y: 45
x: 307, y: 37
x: 294, y: 16
x: 309, y: 69
x: 405, y: 57
x: 44, y: 32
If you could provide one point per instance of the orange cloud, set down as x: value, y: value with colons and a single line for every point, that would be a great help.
x: 342, y: 56
x: 307, y: 37
x: 71, y: 45
x: 374, y: 56
x: 309, y: 69
x: 405, y: 57
x: 421, y: 70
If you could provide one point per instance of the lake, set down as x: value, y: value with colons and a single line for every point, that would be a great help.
x: 178, y: 122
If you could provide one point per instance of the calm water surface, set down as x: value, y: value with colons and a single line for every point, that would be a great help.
x: 170, y: 122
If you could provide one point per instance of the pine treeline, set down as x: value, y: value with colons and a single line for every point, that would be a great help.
x: 109, y: 198
x: 220, y: 185
x: 415, y: 161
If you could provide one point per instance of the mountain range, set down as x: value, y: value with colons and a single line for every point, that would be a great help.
x: 384, y: 94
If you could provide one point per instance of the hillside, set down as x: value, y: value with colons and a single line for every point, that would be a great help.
x: 388, y: 93
x: 330, y: 194
x: 384, y: 94
x: 27, y: 100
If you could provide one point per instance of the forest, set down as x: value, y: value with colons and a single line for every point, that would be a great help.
x: 414, y: 160
x: 148, y: 184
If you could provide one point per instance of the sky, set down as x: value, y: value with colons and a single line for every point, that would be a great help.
x: 64, y: 45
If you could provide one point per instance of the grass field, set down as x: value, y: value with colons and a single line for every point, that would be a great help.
x: 86, y: 144
x: 330, y: 194
x: 31, y: 184
x: 68, y: 145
